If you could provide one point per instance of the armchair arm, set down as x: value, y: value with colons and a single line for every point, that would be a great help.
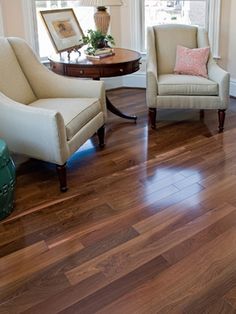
x: 152, y: 87
x: 151, y: 67
x: 35, y: 132
x: 51, y: 85
x: 47, y: 84
x: 221, y: 77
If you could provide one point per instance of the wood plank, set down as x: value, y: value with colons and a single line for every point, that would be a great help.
x: 219, y: 188
x: 189, y: 246
x: 30, y: 266
x: 230, y: 297
x: 137, y: 213
x: 131, y: 255
x: 176, y: 185
x: 177, y: 287
x: 27, y: 295
x: 118, y: 288
x: 54, y: 224
x: 218, y: 307
x: 13, y: 260
x: 207, y: 298
x: 52, y: 281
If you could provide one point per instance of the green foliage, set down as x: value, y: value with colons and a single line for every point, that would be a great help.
x: 96, y: 40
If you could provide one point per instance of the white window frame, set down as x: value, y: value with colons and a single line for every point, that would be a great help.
x: 213, y: 25
x: 136, y: 23
x: 30, y: 24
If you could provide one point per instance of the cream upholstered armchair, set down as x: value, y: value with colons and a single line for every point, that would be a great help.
x: 44, y: 115
x: 168, y: 90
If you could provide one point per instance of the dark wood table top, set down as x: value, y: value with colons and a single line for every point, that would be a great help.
x: 124, y: 61
x: 121, y: 55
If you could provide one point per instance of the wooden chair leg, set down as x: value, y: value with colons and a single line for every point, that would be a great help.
x: 152, y: 117
x: 101, y: 136
x: 61, y: 171
x: 221, y: 116
x: 202, y: 114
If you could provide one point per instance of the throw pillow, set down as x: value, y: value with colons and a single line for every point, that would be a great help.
x: 192, y: 61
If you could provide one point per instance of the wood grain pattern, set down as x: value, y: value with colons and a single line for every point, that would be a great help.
x: 147, y: 226
x: 230, y: 297
x: 184, y: 282
x: 131, y: 255
x: 124, y: 61
x: 28, y: 266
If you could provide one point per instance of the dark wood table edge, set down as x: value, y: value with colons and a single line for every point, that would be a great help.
x: 109, y: 105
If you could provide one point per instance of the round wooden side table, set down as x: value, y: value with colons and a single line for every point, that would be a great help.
x: 123, y: 62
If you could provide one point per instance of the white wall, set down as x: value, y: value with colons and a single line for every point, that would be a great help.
x: 228, y: 42
x: 123, y: 30
x: 1, y: 22
x: 13, y: 20
x: 231, y: 62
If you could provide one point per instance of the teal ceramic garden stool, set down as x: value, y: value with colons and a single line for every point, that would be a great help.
x: 7, y: 181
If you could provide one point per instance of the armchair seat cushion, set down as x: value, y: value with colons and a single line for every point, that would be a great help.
x: 76, y: 112
x: 189, y: 85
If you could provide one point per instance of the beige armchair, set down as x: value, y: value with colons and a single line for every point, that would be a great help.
x: 44, y: 115
x: 168, y: 90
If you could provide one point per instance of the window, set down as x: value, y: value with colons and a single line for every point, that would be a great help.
x: 141, y: 12
x: 83, y: 14
x: 183, y: 12
x: 203, y: 13
x: 175, y: 11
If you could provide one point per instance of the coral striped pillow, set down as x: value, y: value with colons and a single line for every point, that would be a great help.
x: 192, y: 61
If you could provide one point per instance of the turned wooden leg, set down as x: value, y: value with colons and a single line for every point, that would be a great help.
x: 101, y: 135
x: 152, y: 117
x: 221, y: 115
x: 202, y: 114
x: 61, y: 171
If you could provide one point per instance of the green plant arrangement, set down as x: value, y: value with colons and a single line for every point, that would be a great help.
x: 97, y: 40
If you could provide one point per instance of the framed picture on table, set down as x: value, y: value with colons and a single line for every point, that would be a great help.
x: 63, y: 28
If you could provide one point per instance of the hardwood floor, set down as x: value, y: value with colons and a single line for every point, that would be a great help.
x: 148, y: 224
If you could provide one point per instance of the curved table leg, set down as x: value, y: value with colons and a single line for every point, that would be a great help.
x: 117, y: 112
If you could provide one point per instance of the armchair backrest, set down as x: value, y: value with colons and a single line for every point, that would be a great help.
x: 13, y: 82
x: 167, y: 37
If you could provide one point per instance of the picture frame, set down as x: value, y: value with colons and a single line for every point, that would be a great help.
x: 63, y: 28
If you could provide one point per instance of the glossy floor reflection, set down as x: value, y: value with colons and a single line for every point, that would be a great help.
x: 148, y: 224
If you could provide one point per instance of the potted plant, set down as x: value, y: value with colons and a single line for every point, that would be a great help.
x: 97, y: 40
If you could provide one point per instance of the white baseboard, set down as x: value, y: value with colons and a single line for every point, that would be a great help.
x: 232, y: 87
x: 113, y: 82
x: 133, y: 80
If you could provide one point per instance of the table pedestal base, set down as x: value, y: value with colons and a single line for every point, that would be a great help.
x: 117, y: 112
x: 123, y: 62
